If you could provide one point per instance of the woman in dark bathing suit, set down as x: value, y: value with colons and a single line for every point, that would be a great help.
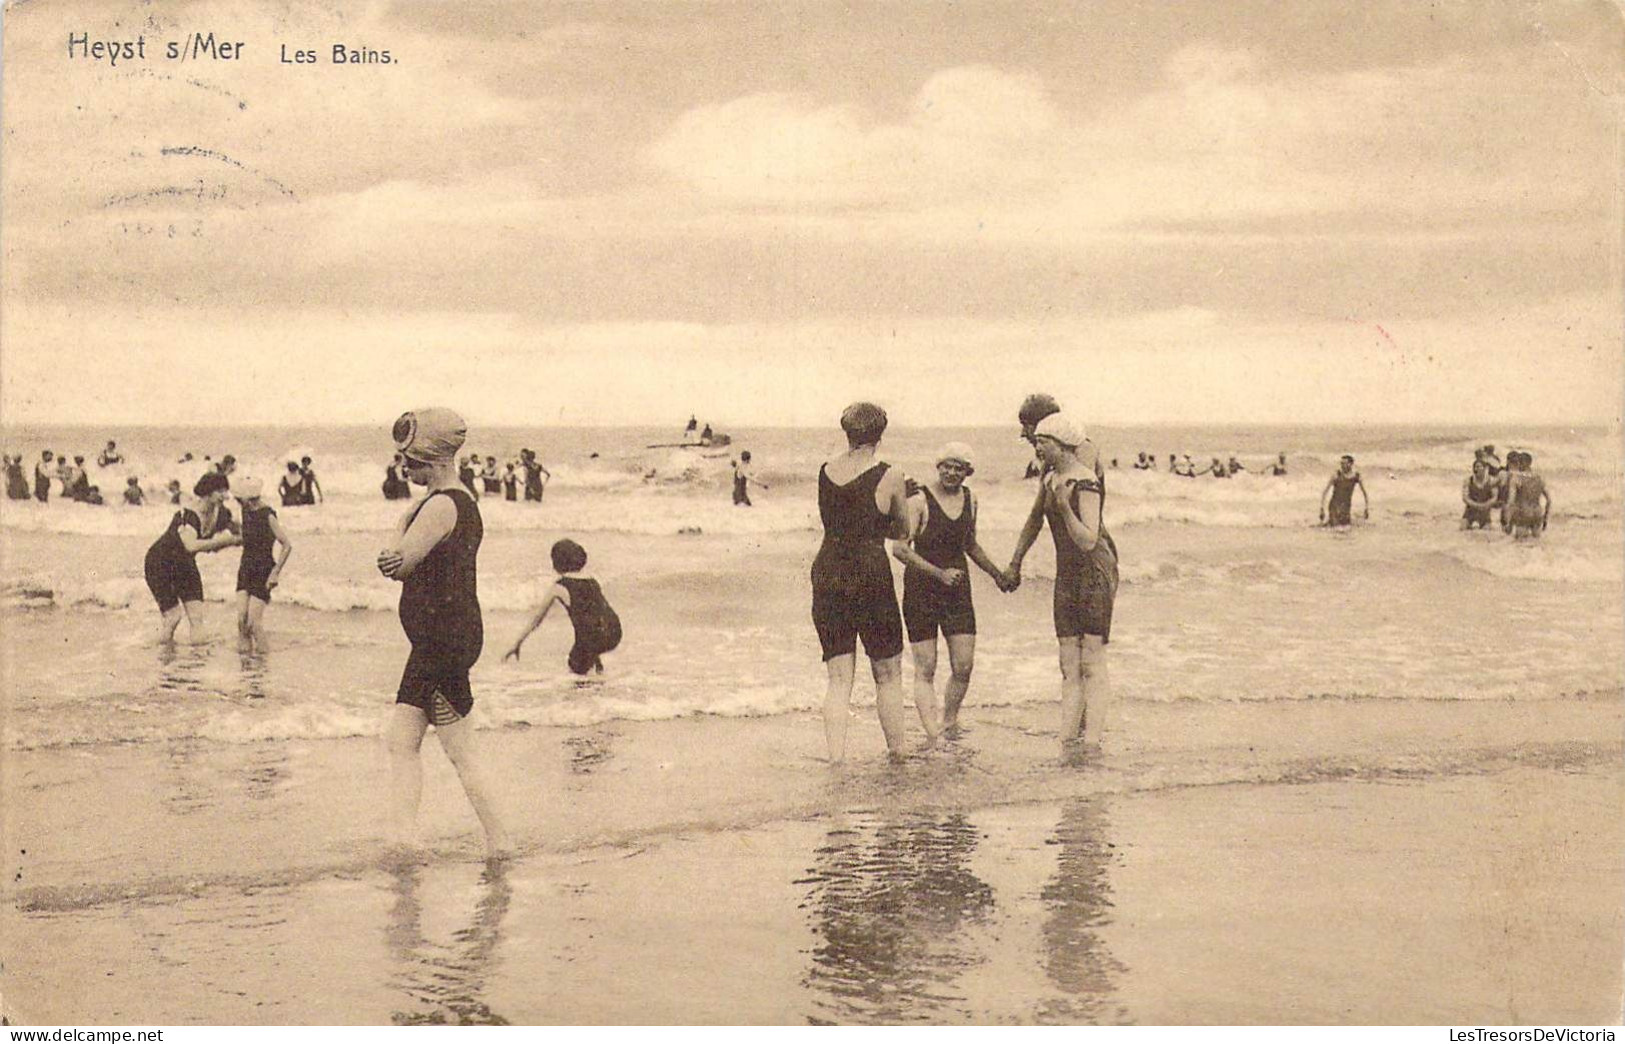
x: 16, y: 481
x: 861, y: 501
x: 434, y: 559
x: 1086, y: 577
x: 170, y: 568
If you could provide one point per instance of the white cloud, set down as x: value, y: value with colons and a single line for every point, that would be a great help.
x: 982, y: 150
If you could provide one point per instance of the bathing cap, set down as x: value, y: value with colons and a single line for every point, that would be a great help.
x: 432, y: 435
x: 1062, y: 429
x: 956, y: 451
x: 1036, y: 407
x: 247, y: 488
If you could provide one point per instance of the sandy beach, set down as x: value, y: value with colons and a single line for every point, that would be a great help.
x: 1387, y: 863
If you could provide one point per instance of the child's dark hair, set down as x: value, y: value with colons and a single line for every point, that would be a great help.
x: 569, y: 556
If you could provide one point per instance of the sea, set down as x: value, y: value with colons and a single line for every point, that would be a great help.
x: 1230, y: 590
x: 1367, y: 775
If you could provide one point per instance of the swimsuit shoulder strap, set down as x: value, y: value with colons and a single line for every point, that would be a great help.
x: 1081, y: 486
x: 424, y: 503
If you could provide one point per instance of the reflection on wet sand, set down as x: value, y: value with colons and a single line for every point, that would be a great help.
x: 443, y: 983
x: 590, y: 750
x: 253, y: 664
x: 186, y: 792
x: 891, y: 899
x: 266, y: 773
x: 180, y: 668
x: 1078, y: 905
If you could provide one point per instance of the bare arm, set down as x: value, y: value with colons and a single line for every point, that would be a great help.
x: 1359, y: 484
x: 556, y: 594
x: 284, y: 549
x: 891, y: 496
x: 1029, y: 532
x: 434, y: 522
x: 1083, y: 522
x: 1324, y: 494
x: 973, y: 550
x: 195, y: 544
x: 903, y: 548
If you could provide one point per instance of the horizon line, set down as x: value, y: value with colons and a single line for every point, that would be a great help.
x: 1614, y: 424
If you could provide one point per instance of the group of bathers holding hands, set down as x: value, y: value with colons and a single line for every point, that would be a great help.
x: 863, y: 501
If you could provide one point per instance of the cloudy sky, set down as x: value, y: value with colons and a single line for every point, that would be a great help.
x: 624, y: 212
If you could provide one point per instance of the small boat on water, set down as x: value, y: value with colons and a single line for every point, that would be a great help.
x: 714, y: 442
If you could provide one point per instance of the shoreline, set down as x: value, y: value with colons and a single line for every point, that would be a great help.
x: 619, y: 782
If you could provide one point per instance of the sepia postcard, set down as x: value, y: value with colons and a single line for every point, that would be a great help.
x: 706, y: 512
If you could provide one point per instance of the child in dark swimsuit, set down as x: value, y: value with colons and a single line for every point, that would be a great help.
x: 598, y: 629
x: 259, y: 569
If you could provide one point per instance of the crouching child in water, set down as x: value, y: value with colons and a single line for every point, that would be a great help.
x: 598, y: 629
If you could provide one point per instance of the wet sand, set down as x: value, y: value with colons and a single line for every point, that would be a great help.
x: 1363, y: 861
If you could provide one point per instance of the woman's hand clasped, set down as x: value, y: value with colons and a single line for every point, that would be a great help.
x: 389, y: 563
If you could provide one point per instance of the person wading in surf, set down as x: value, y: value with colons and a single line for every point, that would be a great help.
x: 433, y: 558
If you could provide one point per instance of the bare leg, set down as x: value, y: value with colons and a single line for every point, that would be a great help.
x: 837, y: 702
x: 460, y: 746
x: 1100, y: 707
x: 404, y: 738
x: 925, y: 688
x: 194, y: 613
x: 244, y: 639
x: 1072, y: 706
x: 962, y: 660
x: 889, y: 702
x: 256, y: 623
x: 167, y: 623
